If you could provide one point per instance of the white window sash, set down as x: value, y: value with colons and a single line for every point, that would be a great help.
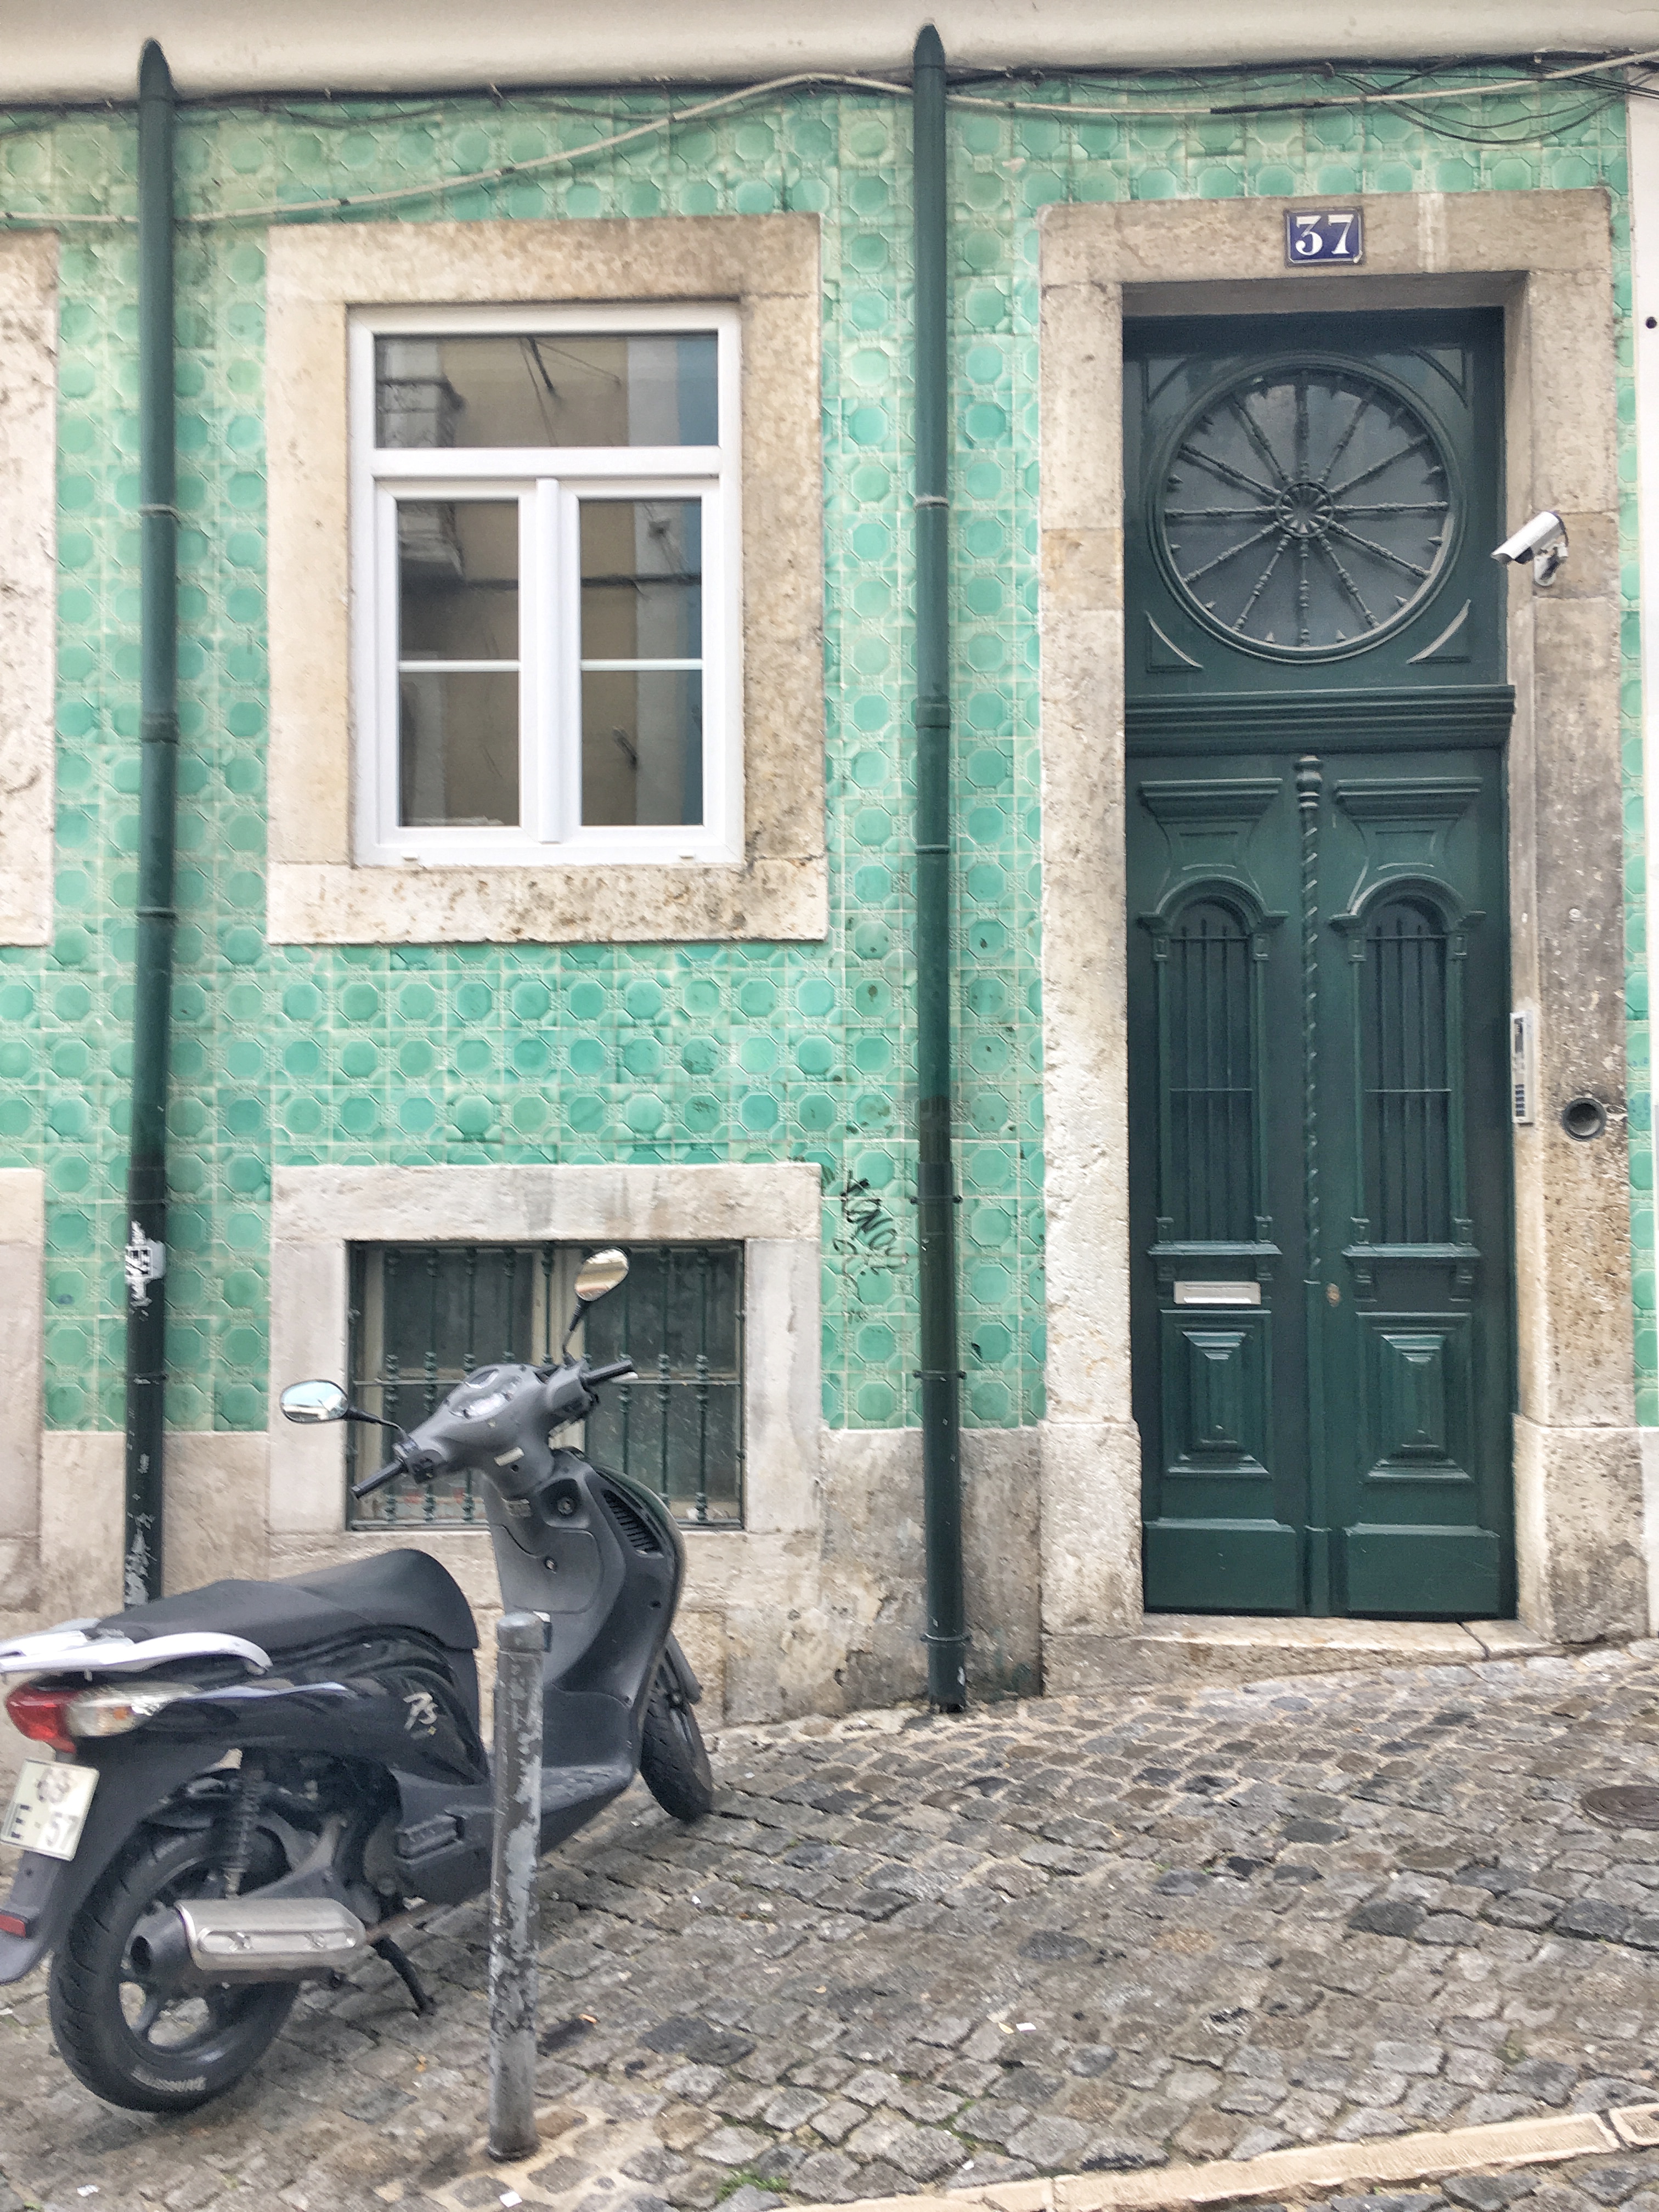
x: 401, y: 840
x: 610, y: 462
x: 548, y: 484
x: 672, y: 840
x: 510, y: 318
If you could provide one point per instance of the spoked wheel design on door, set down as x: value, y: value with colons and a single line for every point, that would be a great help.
x: 1306, y: 510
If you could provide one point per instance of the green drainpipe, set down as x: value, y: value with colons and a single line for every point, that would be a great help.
x: 936, y: 1198
x: 147, y: 1166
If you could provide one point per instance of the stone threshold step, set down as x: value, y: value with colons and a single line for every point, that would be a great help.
x: 1185, y: 1647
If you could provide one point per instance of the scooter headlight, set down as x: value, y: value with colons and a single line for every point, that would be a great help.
x: 112, y: 1712
x: 485, y: 1408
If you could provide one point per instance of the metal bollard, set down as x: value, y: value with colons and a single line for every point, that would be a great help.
x: 512, y: 1966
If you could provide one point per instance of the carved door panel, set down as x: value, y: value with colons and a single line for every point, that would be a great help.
x: 1219, y: 1320
x: 1318, y: 983
x: 1320, y: 1210
x: 1415, y: 1228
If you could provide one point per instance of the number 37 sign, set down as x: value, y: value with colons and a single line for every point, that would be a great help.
x: 1324, y: 234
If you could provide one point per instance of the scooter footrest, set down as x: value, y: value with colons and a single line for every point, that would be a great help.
x: 426, y: 1837
x: 574, y: 1785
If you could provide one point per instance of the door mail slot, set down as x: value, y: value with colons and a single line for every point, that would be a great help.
x: 1218, y: 1294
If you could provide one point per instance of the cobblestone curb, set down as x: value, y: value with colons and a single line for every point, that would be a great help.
x: 1294, y: 2173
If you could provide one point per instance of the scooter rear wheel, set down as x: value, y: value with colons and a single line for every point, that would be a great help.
x: 673, y: 1757
x: 130, y: 2040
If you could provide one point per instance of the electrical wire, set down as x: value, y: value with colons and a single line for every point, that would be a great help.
x: 1074, y: 112
x: 277, y: 209
x: 1523, y: 130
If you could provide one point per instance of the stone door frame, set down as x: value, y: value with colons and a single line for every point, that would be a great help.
x: 1546, y: 259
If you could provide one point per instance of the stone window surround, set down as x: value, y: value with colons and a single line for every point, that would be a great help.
x: 773, y: 1210
x: 770, y: 266
x: 1546, y: 258
x: 28, y: 579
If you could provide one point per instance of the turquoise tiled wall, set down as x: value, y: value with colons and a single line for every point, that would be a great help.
x: 637, y: 1053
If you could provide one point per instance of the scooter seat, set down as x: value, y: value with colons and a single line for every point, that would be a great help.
x: 393, y: 1590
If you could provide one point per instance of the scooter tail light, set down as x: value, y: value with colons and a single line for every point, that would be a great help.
x: 112, y: 1712
x: 42, y: 1716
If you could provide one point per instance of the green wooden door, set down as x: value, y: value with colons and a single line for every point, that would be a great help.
x: 1318, y: 974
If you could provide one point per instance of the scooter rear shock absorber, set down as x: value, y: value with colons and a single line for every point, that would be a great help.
x: 239, y: 1825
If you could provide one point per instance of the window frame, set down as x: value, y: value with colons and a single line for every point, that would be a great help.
x: 774, y: 1208
x: 549, y: 484
x: 551, y: 1267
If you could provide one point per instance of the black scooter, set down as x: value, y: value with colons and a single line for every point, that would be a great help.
x: 255, y: 1782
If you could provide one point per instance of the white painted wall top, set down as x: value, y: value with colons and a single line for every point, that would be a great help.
x: 90, y: 51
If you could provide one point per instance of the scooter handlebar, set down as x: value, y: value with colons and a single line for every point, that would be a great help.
x: 568, y: 1397
x: 422, y: 1464
x: 610, y: 1374
x: 389, y: 1472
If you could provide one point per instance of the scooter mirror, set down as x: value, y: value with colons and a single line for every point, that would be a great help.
x: 600, y: 1272
x: 318, y: 1401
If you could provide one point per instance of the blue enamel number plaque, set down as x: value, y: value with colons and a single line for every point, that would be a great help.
x: 1324, y: 234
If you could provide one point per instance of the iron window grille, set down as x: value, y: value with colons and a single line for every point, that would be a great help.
x: 423, y: 1316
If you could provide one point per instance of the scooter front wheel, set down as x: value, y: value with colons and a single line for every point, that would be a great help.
x: 130, y: 2038
x: 673, y: 1757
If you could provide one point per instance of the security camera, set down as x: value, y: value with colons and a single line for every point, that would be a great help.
x: 1543, y: 541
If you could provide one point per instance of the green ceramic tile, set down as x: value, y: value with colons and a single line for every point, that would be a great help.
x: 296, y: 1054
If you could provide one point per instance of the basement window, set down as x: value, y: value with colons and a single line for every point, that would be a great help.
x: 423, y: 1316
x: 546, y: 584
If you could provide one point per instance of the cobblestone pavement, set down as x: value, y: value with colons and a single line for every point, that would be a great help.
x: 1084, y: 1934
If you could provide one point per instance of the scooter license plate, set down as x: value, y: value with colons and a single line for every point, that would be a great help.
x: 49, y: 1807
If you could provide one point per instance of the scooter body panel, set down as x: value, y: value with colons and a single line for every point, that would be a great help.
x: 566, y: 1524
x: 134, y: 1779
x: 387, y: 1701
x: 597, y: 1557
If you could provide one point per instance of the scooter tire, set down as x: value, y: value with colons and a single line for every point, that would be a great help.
x: 673, y: 1757
x: 93, y: 1963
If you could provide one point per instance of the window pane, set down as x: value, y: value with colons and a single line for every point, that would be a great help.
x: 642, y: 747
x: 679, y: 1428
x: 641, y: 586
x: 1407, y: 1073
x: 458, y: 738
x: 457, y: 580
x: 641, y: 579
x: 457, y: 601
x: 1209, y: 1075
x: 680, y: 1302
x: 457, y: 1308
x: 547, y: 389
x: 424, y: 1317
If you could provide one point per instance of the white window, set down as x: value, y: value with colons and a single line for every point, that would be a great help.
x: 546, y: 590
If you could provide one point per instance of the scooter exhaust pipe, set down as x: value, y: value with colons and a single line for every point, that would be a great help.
x: 247, y: 1939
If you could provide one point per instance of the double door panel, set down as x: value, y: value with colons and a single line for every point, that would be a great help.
x: 1319, y: 1176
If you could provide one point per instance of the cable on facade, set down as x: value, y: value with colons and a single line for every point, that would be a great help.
x: 1073, y: 112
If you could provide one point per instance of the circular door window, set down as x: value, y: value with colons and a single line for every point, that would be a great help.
x: 1306, y: 510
